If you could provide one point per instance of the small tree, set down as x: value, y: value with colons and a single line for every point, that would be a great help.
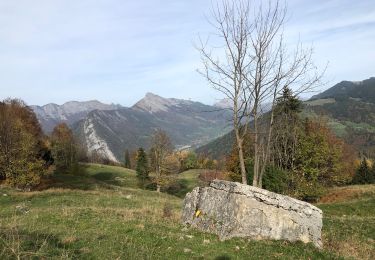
x: 188, y: 160
x: 287, y: 121
x: 160, y: 149
x: 191, y: 161
x: 127, y: 163
x: 64, y: 150
x: 142, y: 168
x: 363, y: 175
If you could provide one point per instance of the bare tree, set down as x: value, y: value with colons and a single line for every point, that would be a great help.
x: 253, y: 68
x: 227, y: 74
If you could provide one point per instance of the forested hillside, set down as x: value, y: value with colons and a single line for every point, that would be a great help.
x: 348, y: 108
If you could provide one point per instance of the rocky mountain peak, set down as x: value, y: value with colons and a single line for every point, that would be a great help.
x: 153, y: 103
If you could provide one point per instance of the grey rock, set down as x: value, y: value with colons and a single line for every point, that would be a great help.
x: 23, y: 209
x: 231, y: 209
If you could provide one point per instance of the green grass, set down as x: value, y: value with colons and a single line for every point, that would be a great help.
x: 349, y: 223
x: 338, y: 128
x: 360, y: 126
x: 101, y: 214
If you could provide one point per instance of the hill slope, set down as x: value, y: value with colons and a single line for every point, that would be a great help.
x: 101, y: 214
x: 363, y: 90
x: 350, y: 110
x: 348, y: 107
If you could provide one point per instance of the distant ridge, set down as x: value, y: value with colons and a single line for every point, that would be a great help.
x: 70, y: 112
x: 364, y: 90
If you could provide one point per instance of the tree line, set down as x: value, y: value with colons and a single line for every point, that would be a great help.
x: 26, y: 153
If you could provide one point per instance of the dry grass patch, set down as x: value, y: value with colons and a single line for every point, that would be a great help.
x: 348, y: 193
x: 351, y: 247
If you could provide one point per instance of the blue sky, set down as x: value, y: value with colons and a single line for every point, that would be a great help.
x: 117, y: 50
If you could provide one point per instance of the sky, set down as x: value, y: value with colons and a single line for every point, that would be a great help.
x: 116, y: 51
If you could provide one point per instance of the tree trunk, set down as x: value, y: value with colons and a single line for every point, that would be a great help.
x: 256, y: 153
x: 268, y: 147
x: 157, y: 169
x: 242, y: 164
x: 241, y: 156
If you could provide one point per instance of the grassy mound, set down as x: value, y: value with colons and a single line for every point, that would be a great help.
x: 101, y: 214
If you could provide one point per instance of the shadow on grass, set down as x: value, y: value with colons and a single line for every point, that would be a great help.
x: 81, y: 180
x: 223, y: 257
x: 179, y: 188
x: 108, y: 178
x: 21, y: 244
x: 85, y: 178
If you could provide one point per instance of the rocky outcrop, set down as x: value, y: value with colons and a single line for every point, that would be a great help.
x: 231, y: 209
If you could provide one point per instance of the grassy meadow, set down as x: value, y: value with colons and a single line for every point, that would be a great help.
x: 101, y: 214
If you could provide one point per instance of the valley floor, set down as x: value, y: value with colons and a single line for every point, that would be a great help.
x: 101, y: 214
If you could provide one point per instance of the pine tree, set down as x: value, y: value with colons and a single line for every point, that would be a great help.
x: 127, y: 159
x: 286, y: 121
x: 142, y: 168
x: 363, y: 174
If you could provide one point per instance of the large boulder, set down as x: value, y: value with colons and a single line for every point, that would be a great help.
x: 231, y: 209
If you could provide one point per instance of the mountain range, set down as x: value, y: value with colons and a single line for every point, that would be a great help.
x: 348, y: 108
x: 107, y: 130
x: 70, y: 112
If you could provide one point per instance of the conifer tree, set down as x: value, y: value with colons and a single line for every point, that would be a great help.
x: 142, y: 168
x: 127, y: 159
x: 363, y: 174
